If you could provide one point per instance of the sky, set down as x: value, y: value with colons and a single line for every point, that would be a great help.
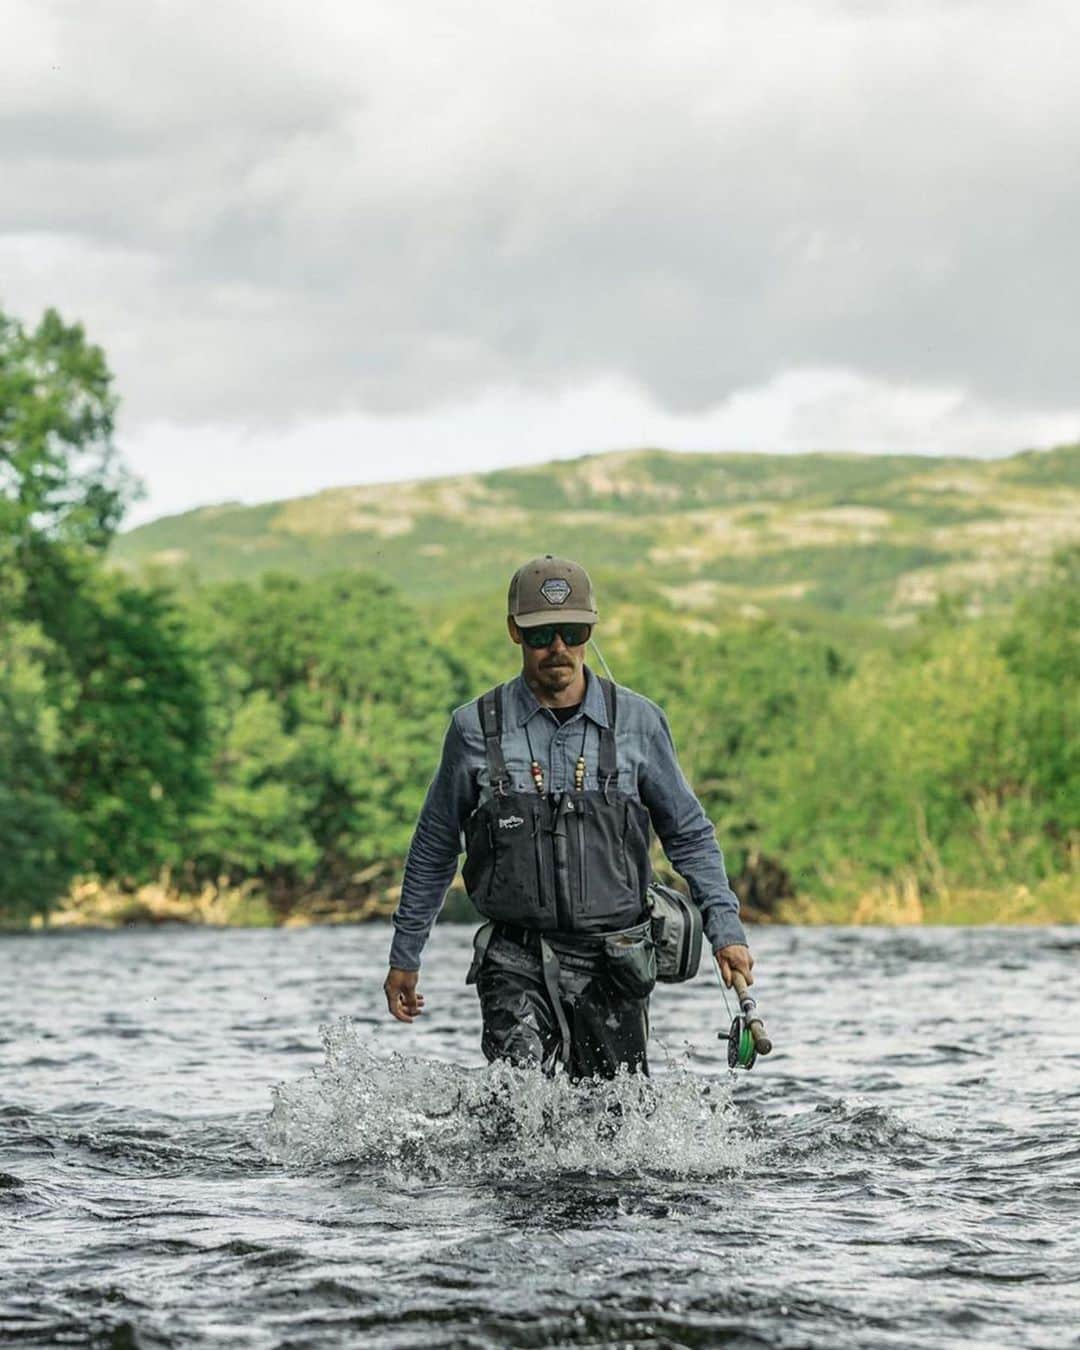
x: 361, y: 241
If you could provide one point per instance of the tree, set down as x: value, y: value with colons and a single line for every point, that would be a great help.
x: 1041, y: 648
x: 102, y: 725
x: 60, y: 480
x: 329, y: 701
x: 37, y: 831
x: 134, y: 726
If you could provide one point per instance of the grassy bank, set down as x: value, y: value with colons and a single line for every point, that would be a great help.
x: 1053, y: 901
x: 90, y: 904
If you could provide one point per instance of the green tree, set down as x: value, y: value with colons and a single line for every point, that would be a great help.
x: 955, y: 762
x: 134, y: 729
x: 1041, y: 649
x: 329, y: 705
x: 733, y: 697
x: 37, y: 831
x: 60, y: 480
x: 102, y: 727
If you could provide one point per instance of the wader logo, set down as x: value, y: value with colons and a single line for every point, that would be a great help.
x: 510, y: 822
x: 555, y: 590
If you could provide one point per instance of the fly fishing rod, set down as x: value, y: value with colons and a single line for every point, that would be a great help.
x: 746, y: 1037
x: 600, y: 654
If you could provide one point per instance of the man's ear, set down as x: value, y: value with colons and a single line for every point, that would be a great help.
x: 513, y: 629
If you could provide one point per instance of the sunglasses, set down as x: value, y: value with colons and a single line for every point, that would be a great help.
x: 573, y: 634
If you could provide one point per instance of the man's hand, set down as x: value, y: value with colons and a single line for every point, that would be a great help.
x: 736, y: 957
x: 401, y: 997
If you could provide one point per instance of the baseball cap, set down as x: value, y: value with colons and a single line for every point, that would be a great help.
x: 548, y: 589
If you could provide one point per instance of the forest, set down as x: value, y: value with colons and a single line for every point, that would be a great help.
x: 255, y: 748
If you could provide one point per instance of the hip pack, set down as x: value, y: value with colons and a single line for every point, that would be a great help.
x: 676, y: 932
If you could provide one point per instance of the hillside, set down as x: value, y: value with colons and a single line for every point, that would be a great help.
x: 866, y: 536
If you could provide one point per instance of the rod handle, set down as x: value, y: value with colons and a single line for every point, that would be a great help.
x: 762, y: 1044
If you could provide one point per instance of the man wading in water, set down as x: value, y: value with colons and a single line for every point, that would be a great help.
x: 554, y: 779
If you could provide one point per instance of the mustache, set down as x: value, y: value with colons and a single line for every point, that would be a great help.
x: 555, y: 665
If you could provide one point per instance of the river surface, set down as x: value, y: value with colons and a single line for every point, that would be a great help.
x: 187, y: 1160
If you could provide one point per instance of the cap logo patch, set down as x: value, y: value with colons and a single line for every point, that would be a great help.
x: 555, y: 590
x: 511, y: 822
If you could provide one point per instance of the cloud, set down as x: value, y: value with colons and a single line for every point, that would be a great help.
x: 818, y: 409
x: 270, y: 213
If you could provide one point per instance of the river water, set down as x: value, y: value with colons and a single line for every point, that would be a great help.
x: 186, y: 1161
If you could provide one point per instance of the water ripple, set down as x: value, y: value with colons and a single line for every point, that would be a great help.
x: 184, y: 1164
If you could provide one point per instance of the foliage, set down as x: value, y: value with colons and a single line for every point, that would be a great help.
x: 37, y: 831
x: 732, y: 698
x: 59, y: 478
x: 264, y: 741
x: 133, y: 723
x: 101, y: 717
x: 955, y: 764
x: 327, y: 701
x: 1041, y: 650
x: 866, y: 537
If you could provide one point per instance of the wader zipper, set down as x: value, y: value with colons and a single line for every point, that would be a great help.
x: 538, y: 855
x: 494, y: 862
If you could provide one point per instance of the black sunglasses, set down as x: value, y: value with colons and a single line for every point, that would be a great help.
x: 573, y: 634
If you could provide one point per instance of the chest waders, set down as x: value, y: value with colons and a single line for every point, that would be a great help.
x: 562, y: 874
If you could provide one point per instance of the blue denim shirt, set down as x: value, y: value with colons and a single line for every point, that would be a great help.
x: 648, y: 770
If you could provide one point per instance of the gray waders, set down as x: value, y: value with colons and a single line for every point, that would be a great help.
x: 543, y: 1004
x: 565, y: 966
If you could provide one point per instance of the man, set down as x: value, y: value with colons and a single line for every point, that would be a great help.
x: 554, y: 780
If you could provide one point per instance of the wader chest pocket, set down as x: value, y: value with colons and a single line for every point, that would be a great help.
x: 505, y: 867
x: 630, y: 961
x: 479, y: 858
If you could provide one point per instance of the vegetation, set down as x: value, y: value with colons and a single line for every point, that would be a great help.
x: 322, y: 744
x: 872, y: 673
x: 868, y: 539
x: 102, y: 717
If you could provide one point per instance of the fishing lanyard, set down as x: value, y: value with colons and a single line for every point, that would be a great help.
x: 536, y: 769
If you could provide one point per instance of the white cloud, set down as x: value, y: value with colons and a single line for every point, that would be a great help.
x: 274, y: 215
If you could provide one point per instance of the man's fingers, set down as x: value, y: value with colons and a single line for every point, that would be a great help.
x: 402, y: 1000
x: 403, y: 1010
x: 735, y: 958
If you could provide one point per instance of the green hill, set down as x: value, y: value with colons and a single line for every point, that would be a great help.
x: 870, y: 537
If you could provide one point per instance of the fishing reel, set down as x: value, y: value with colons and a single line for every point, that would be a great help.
x: 746, y: 1037
x: 741, y: 1050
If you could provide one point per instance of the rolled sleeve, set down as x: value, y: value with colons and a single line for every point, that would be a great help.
x: 688, y: 838
x: 433, y: 853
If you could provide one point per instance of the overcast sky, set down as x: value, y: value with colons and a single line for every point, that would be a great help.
x: 345, y: 241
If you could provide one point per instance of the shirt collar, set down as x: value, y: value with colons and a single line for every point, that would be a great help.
x: 593, y: 706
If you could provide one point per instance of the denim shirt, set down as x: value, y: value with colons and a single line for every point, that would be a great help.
x: 648, y: 770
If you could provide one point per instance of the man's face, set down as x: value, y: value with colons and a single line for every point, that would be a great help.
x: 553, y: 668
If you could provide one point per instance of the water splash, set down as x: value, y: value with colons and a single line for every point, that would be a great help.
x: 434, y: 1120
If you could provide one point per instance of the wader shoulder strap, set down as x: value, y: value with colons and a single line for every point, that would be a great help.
x: 607, y: 768
x: 489, y: 706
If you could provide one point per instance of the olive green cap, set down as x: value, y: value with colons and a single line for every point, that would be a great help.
x: 549, y: 589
